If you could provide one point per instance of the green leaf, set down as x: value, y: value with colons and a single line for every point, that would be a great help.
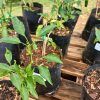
x: 97, y: 33
x: 29, y: 70
x: 86, y: 3
x: 5, y: 67
x: 1, y: 4
x: 52, y: 58
x: 3, y: 73
x: 39, y: 79
x: 39, y: 28
x: 4, y: 31
x: 8, y: 55
x: 16, y: 80
x: 24, y: 93
x: 44, y: 72
x: 18, y: 26
x: 31, y: 86
x: 34, y: 46
x: 45, y: 30
x: 12, y: 40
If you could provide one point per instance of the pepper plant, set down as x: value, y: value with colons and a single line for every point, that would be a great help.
x: 24, y: 78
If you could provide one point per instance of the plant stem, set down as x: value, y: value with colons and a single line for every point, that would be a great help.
x: 97, y: 7
x: 31, y: 58
x: 2, y: 12
x: 10, y: 8
x: 44, y: 45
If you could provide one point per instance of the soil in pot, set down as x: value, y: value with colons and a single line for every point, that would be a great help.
x: 62, y: 39
x: 32, y: 16
x: 8, y: 91
x: 90, y: 53
x: 90, y: 24
x: 55, y: 69
x: 91, y: 82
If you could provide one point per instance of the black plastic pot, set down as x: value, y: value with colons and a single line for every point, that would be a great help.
x: 13, y: 48
x: 71, y: 22
x: 86, y: 95
x: 32, y: 17
x: 90, y: 53
x: 56, y: 80
x: 90, y: 24
x: 62, y: 42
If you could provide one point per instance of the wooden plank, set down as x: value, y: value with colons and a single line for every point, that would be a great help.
x: 69, y: 91
x: 80, y: 25
x: 73, y: 68
x: 76, y: 50
x: 72, y: 71
x: 74, y: 56
x: 75, y: 64
x: 43, y: 97
x: 76, y: 41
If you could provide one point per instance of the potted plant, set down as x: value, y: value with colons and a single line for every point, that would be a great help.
x: 31, y: 12
x: 60, y: 13
x: 93, y: 20
x: 47, y: 54
x: 69, y: 11
x: 7, y: 33
x: 24, y: 79
x: 35, y: 66
x: 92, y: 48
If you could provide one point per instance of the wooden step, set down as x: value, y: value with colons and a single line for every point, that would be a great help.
x: 81, y: 23
x: 73, y: 68
x: 75, y: 49
x: 77, y: 41
x: 69, y: 91
x: 74, y: 56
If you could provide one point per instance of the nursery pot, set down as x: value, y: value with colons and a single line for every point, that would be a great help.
x: 32, y: 16
x: 72, y: 22
x: 90, y: 24
x: 62, y: 42
x: 90, y: 52
x: 55, y: 73
x: 91, y: 83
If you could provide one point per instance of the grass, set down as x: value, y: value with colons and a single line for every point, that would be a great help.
x: 17, y: 10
